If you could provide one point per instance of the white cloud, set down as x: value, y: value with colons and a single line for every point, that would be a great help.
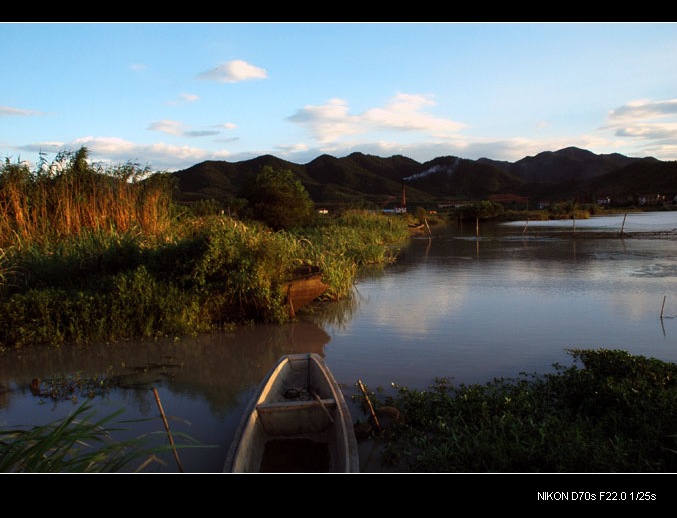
x: 45, y: 146
x: 645, y: 109
x: 199, y: 133
x: 233, y: 72
x: 328, y: 122
x: 189, y: 98
x: 159, y: 156
x: 7, y: 111
x: 640, y: 128
x: 137, y: 67
x: 184, y: 98
x: 168, y: 126
x: 226, y: 125
x: 650, y: 125
x: 331, y: 121
x: 404, y: 113
x: 176, y: 128
x: 666, y: 150
x: 293, y: 148
x: 104, y: 145
x: 667, y: 130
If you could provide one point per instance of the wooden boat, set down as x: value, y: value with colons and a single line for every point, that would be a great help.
x: 297, y: 421
x: 304, y: 286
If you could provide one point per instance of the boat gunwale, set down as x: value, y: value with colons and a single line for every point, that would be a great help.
x: 343, y: 419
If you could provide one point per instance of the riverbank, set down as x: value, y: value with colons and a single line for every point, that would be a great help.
x: 611, y: 412
x: 209, y: 274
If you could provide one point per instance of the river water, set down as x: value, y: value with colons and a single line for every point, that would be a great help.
x: 467, y: 303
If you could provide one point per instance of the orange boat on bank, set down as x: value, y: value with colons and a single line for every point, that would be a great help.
x: 304, y: 287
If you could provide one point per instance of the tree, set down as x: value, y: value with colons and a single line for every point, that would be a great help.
x: 278, y: 199
x: 484, y: 209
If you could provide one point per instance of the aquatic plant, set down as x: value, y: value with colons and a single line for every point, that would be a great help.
x: 616, y: 413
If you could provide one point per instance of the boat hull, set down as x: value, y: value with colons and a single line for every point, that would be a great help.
x: 305, y: 286
x: 298, y: 421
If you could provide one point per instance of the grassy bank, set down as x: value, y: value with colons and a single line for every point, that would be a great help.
x: 610, y: 412
x: 94, y: 255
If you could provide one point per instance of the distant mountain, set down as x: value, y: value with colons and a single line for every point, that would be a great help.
x: 367, y: 180
x: 646, y: 176
x: 461, y: 178
x: 221, y: 180
x: 570, y: 164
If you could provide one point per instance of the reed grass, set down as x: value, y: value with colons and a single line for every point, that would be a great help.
x: 75, y: 444
x: 356, y: 239
x: 70, y: 196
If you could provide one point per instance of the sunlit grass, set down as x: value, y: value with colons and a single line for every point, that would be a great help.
x: 91, y: 255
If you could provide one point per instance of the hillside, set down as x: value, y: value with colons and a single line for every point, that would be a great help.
x: 361, y: 180
x: 646, y: 177
x: 566, y: 165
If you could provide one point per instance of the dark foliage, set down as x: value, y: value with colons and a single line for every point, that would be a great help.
x: 616, y: 413
x: 278, y: 199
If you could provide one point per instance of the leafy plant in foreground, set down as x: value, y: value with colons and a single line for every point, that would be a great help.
x: 618, y: 413
x: 75, y: 444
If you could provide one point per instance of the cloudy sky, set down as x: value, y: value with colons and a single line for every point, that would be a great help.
x: 170, y: 95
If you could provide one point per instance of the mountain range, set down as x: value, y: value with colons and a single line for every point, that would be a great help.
x: 367, y: 180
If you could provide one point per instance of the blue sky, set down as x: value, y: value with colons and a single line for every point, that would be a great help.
x: 170, y: 95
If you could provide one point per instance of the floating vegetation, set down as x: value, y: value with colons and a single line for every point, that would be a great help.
x: 71, y: 387
x: 144, y: 377
x: 76, y: 386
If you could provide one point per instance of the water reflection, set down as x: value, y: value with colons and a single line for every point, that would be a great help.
x: 216, y: 367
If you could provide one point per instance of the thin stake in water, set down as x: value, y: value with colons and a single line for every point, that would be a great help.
x: 169, y: 433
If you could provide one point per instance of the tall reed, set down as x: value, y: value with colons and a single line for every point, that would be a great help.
x: 75, y: 444
x: 70, y: 196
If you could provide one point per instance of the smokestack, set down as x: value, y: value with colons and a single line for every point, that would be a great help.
x: 404, y: 196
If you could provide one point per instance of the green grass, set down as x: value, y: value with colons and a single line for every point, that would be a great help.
x: 615, y: 413
x: 206, y: 274
x: 78, y: 443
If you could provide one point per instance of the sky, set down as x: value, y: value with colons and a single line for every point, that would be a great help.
x: 170, y: 95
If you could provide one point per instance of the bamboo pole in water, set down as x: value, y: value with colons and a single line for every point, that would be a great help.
x: 371, y: 408
x: 663, y: 306
x: 169, y: 433
x: 623, y: 224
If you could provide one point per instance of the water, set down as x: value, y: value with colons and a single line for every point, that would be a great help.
x: 458, y: 306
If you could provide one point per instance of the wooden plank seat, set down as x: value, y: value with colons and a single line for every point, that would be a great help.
x: 296, y: 417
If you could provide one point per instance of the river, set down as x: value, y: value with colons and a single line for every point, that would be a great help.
x: 467, y: 303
